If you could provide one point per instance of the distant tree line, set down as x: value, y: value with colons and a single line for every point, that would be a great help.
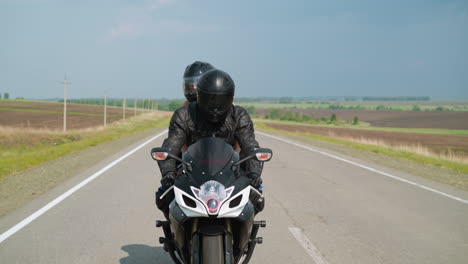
x: 396, y: 98
x: 279, y: 100
x: 347, y: 107
x: 284, y: 115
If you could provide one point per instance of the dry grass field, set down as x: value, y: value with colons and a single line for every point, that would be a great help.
x: 49, y: 115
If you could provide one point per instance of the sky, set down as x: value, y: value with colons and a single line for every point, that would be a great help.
x: 140, y: 48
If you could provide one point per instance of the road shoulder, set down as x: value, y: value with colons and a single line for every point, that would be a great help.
x: 33, y: 183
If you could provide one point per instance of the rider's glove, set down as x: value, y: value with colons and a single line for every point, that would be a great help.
x: 168, y: 179
x: 255, y: 180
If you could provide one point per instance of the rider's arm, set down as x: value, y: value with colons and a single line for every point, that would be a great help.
x: 246, y: 137
x: 177, y: 137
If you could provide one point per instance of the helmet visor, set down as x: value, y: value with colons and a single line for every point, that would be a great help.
x: 215, y: 106
x: 190, y: 88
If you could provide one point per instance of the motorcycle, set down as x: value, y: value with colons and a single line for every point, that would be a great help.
x: 212, y: 205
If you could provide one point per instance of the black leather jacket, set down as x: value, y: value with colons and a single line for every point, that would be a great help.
x: 187, y: 126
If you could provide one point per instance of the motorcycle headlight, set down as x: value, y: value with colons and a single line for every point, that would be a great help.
x: 212, y: 194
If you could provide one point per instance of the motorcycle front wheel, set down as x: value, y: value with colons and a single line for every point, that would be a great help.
x: 213, y: 250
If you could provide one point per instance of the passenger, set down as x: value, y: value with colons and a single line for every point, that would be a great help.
x: 192, y: 74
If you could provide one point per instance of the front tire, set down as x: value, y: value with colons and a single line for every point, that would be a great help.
x: 213, y: 250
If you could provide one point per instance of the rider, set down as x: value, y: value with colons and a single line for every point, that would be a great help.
x: 213, y: 114
x: 192, y: 74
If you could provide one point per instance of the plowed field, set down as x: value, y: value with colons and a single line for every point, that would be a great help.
x: 47, y: 115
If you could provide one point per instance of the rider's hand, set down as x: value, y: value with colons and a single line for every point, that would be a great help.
x: 168, y: 179
x: 255, y: 180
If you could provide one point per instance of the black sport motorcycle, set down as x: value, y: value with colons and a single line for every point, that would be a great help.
x: 212, y: 205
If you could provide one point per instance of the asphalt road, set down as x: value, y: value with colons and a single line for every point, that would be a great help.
x: 319, y: 210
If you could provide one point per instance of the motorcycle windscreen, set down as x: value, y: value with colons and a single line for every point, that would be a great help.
x: 211, y: 155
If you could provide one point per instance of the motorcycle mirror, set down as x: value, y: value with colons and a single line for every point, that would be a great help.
x: 164, y: 153
x: 263, y: 154
x: 159, y: 153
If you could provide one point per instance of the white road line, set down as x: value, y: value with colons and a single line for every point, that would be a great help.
x: 368, y: 168
x: 62, y: 197
x: 307, y: 245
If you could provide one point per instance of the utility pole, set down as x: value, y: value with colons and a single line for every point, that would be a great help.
x: 105, y: 110
x: 134, y: 107
x: 65, y: 84
x: 123, y: 104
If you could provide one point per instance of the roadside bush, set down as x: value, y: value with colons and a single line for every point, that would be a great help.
x: 276, y: 114
x: 333, y: 118
x: 336, y: 107
x: 416, y: 108
x: 381, y: 107
x: 355, y: 120
x: 250, y: 109
x: 441, y: 108
x: 174, y: 105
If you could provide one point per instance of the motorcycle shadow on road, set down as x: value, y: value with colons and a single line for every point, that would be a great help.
x: 138, y: 253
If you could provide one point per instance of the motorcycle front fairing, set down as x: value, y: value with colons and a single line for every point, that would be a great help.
x: 212, y: 161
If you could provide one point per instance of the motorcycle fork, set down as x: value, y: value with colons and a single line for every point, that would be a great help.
x: 195, y: 243
x: 228, y: 244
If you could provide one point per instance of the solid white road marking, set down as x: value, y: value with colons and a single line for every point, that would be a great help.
x: 368, y: 168
x: 307, y: 245
x: 62, y: 197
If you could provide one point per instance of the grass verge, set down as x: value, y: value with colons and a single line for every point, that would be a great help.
x: 422, y: 159
x: 21, y: 149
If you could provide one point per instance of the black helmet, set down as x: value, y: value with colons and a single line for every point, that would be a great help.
x: 215, y: 95
x: 191, y: 75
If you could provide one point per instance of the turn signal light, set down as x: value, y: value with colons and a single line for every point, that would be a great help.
x: 263, y: 156
x: 160, y: 155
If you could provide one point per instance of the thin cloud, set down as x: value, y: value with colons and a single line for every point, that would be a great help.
x: 183, y: 27
x: 127, y: 31
x: 140, y: 22
x: 157, y: 4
